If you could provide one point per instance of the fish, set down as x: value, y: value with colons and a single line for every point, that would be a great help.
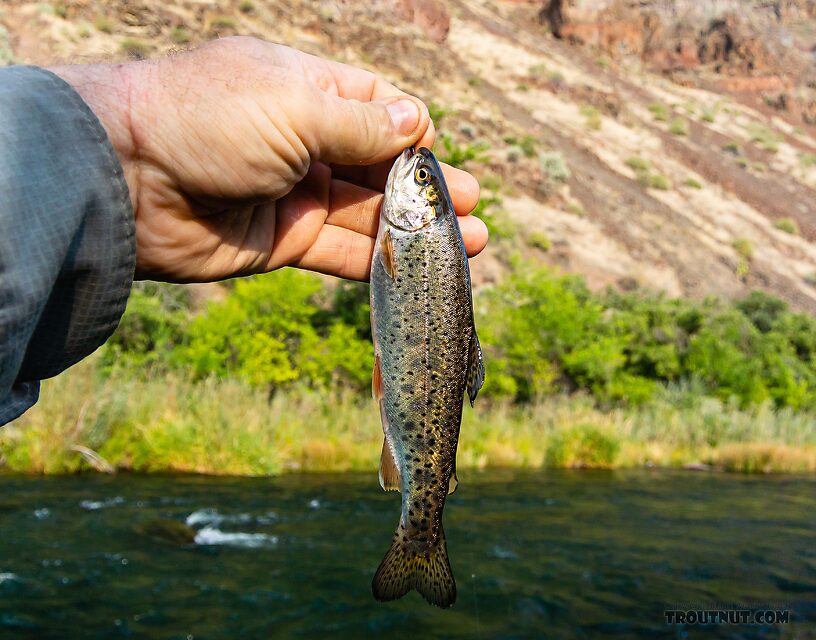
x: 427, y: 356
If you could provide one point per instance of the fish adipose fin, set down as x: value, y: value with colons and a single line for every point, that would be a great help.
x: 476, y: 371
x: 389, y: 473
x: 403, y: 569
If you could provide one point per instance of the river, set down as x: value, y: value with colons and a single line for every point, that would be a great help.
x: 557, y: 554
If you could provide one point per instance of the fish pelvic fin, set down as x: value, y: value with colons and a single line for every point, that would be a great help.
x: 476, y: 369
x: 405, y: 568
x: 389, y: 472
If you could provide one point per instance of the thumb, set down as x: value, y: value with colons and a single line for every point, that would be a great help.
x: 354, y: 132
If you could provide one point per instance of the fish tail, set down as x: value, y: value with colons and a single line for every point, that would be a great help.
x: 403, y: 569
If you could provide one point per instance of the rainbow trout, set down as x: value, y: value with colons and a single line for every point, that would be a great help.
x: 427, y: 356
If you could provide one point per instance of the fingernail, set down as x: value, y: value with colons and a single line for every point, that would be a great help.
x: 405, y: 116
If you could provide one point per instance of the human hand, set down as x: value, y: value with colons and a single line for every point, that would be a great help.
x: 244, y: 156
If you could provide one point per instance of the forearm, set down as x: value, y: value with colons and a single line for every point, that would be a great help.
x: 67, y: 249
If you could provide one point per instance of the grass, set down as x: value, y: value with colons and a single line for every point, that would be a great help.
x: 223, y: 22
x: 180, y: 35
x: 743, y: 247
x: 554, y: 171
x: 659, y: 181
x: 650, y: 180
x: 135, y: 48
x: 659, y: 111
x: 807, y: 159
x: 763, y: 137
x: 637, y: 163
x: 456, y: 154
x: 592, y: 117
x: 788, y: 225
x: 732, y: 147
x: 708, y: 115
x: 104, y: 24
x: 539, y: 240
x: 679, y: 126
x: 224, y: 427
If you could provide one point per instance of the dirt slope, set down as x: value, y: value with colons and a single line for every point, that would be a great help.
x: 601, y: 155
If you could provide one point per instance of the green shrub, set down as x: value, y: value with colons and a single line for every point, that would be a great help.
x: 104, y: 24
x: 807, y: 159
x: 764, y: 137
x: 554, y: 170
x: 458, y: 154
x: 659, y: 111
x: 246, y: 6
x: 743, y: 247
x: 708, y: 115
x: 592, y: 117
x: 539, y: 240
x: 659, y: 181
x: 679, y: 126
x: 788, y: 225
x: 692, y: 183
x: 136, y: 49
x: 180, y: 35
x: 223, y: 22
x: 637, y: 163
x: 732, y: 148
x: 437, y: 112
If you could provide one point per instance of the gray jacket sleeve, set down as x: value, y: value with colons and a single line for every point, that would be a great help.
x: 67, y: 242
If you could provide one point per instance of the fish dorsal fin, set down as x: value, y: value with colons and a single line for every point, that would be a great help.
x: 389, y: 474
x: 476, y: 371
x: 387, y: 252
x: 376, y: 379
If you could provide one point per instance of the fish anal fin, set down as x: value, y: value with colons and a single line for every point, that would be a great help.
x: 389, y: 472
x: 476, y: 371
x: 376, y: 379
x: 387, y: 252
x: 453, y: 483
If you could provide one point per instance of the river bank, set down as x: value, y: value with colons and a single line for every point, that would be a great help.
x: 86, y: 420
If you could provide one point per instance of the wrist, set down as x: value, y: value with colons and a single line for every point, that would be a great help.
x: 107, y: 90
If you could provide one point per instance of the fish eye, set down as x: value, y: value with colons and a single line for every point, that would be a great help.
x: 422, y: 175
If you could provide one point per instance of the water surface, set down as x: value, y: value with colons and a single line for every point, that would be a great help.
x: 552, y: 554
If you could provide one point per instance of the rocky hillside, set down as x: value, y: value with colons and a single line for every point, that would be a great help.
x: 661, y: 144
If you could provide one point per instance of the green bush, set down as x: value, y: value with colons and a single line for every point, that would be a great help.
x: 542, y: 334
x: 456, y: 154
x: 554, y: 171
x: 679, y: 127
x: 788, y: 225
x: 637, y: 163
x: 659, y: 111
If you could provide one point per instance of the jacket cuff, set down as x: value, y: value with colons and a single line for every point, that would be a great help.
x: 67, y: 239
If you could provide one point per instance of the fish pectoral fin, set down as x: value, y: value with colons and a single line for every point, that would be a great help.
x: 376, y: 378
x: 387, y: 253
x: 389, y: 473
x: 476, y: 370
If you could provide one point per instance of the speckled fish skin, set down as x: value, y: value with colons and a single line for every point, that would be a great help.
x: 427, y: 358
